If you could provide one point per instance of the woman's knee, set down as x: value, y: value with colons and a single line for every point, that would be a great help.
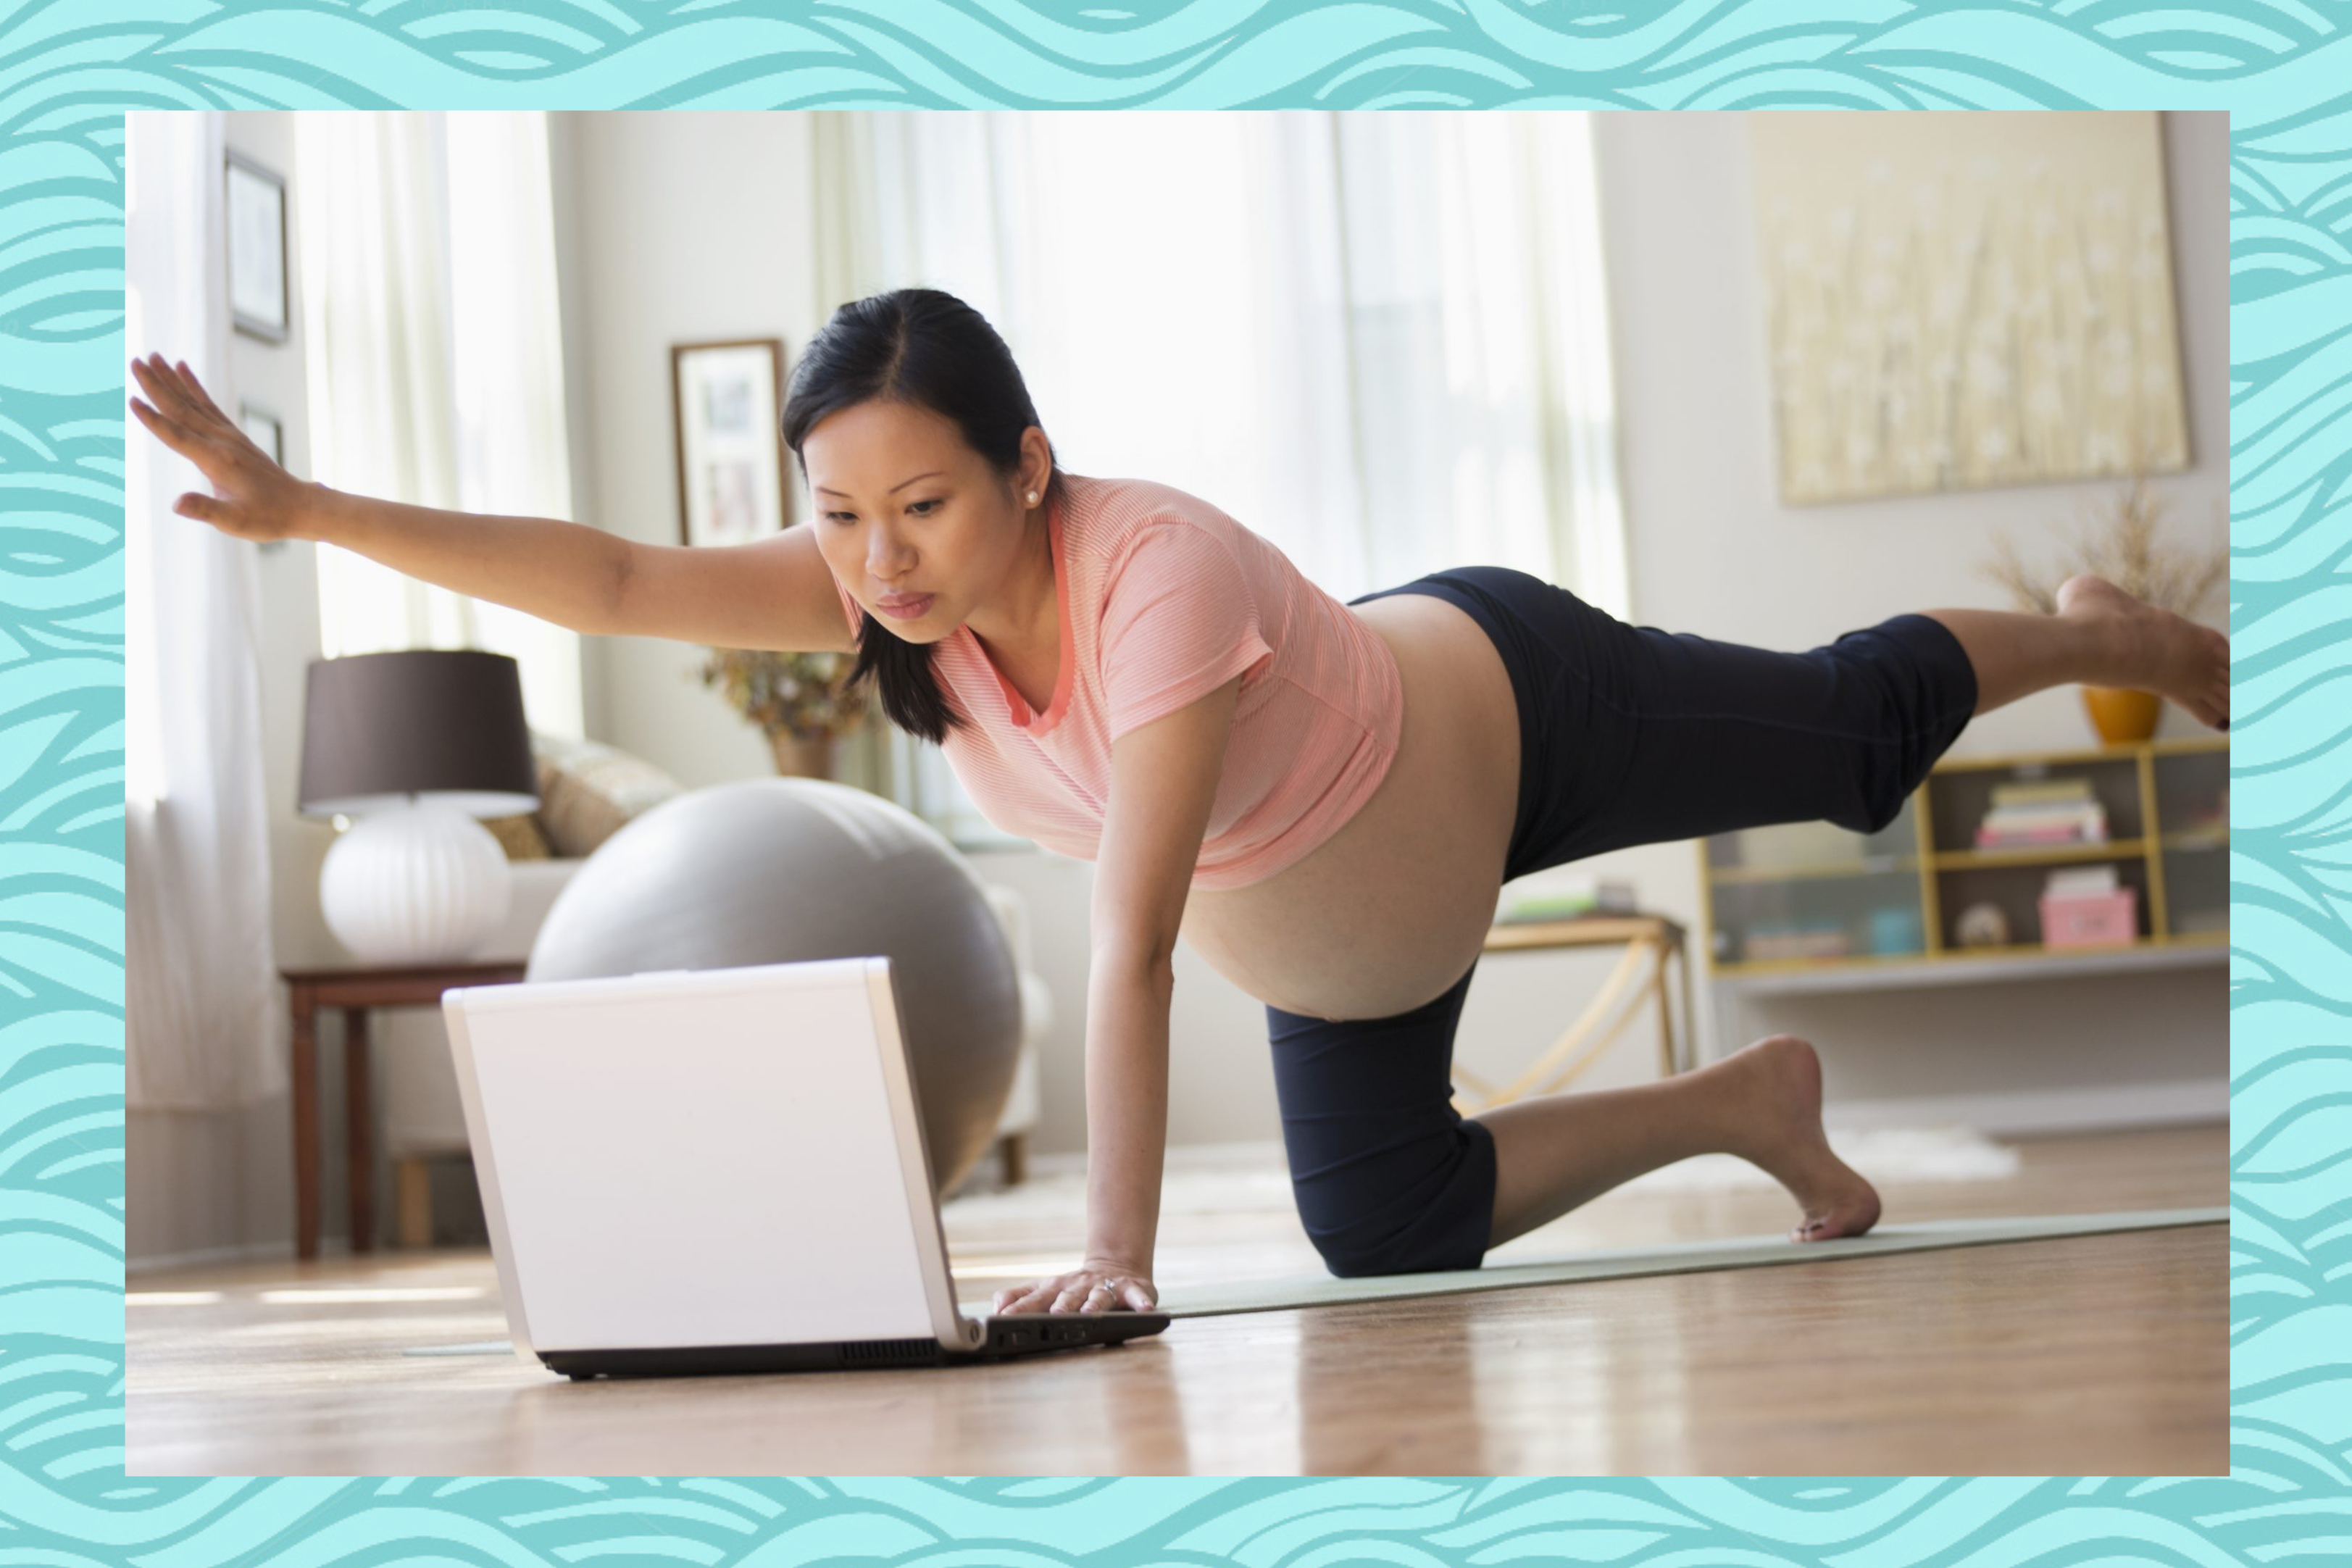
x: 1356, y: 1256
x: 1926, y: 693
x: 1431, y: 1216
x: 1388, y: 1177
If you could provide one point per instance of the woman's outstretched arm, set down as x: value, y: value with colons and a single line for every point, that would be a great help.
x: 558, y: 571
x: 1163, y: 782
x: 776, y: 594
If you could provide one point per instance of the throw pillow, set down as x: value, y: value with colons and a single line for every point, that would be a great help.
x: 520, y: 836
x: 588, y: 791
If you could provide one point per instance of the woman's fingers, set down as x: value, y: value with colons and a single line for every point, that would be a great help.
x: 1038, y: 1296
x: 201, y: 396
x: 1080, y: 1291
x: 1022, y: 1297
x: 179, y: 396
x: 204, y: 509
x: 166, y: 393
x: 207, y: 451
x: 184, y: 381
x: 169, y: 431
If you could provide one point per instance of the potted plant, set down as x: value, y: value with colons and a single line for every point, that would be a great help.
x: 2116, y: 541
x: 794, y: 698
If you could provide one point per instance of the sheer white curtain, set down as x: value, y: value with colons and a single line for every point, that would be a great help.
x: 204, y: 1026
x: 1377, y: 340
x: 435, y: 366
x: 845, y: 265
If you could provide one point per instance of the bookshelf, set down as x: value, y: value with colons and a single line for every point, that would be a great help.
x: 1811, y: 907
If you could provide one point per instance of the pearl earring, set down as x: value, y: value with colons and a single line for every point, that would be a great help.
x: 1032, y: 498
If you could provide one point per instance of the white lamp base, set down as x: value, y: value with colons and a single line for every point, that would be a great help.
x: 422, y: 883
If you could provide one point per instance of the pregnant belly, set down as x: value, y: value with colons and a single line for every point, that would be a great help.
x: 1388, y: 911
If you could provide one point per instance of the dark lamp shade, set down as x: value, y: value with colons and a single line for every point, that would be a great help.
x: 379, y: 728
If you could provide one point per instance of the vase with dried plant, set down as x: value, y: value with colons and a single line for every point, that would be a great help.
x: 797, y: 700
x: 2115, y: 538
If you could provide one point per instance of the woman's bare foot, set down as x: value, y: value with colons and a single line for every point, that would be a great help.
x: 1777, y: 1082
x: 2158, y: 652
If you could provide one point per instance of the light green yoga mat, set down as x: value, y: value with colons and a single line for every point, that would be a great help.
x: 1628, y: 1263
x: 1682, y: 1257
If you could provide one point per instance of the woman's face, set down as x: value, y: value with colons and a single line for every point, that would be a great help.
x: 904, y: 508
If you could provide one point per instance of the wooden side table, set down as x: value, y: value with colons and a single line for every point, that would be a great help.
x: 1651, y: 937
x: 355, y: 991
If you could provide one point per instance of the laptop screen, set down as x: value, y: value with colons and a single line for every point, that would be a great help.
x: 699, y: 1160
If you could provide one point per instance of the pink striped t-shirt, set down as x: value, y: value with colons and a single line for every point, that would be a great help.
x: 1164, y: 598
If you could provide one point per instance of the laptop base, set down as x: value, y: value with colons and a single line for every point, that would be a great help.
x: 1018, y: 1334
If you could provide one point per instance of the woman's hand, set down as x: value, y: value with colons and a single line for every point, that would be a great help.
x: 252, y: 496
x: 1097, y: 1285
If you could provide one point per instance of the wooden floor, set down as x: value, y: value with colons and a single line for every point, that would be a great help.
x: 2094, y: 1355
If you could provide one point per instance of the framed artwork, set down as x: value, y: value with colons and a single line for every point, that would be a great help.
x: 730, y: 450
x: 1962, y: 300
x: 257, y: 250
x: 264, y: 430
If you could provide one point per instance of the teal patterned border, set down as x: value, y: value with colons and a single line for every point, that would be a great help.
x: 70, y: 67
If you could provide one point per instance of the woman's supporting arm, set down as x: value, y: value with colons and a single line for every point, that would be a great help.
x: 1164, y: 778
x: 1128, y: 992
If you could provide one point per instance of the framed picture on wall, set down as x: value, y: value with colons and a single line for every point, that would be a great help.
x: 264, y: 430
x: 257, y: 250
x: 1965, y: 305
x: 730, y: 452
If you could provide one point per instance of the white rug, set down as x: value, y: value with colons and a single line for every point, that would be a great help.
x: 1252, y: 1178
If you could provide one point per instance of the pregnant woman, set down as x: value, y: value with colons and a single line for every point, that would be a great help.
x: 1322, y: 799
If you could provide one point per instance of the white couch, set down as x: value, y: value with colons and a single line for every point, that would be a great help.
x: 417, y: 1084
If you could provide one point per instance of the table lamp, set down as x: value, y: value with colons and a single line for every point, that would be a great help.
x: 416, y: 746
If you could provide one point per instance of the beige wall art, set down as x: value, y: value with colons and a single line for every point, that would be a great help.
x: 1963, y: 299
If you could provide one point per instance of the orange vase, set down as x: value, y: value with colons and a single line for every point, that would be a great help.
x: 2122, y: 716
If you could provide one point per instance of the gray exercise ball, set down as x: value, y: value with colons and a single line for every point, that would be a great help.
x: 785, y: 870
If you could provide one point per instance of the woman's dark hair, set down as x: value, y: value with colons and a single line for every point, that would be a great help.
x: 929, y: 350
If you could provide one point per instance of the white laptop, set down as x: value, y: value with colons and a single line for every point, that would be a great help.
x: 719, y: 1170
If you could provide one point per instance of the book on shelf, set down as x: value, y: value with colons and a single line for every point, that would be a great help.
x: 2027, y: 838
x: 2039, y: 838
x: 2008, y: 826
x: 2041, y: 790
x: 2069, y: 811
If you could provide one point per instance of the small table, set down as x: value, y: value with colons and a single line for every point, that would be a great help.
x: 355, y: 991
x: 1654, y: 937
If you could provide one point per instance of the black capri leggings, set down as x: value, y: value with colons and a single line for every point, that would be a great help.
x: 1627, y: 735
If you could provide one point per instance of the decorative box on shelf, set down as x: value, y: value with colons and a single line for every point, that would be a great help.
x: 2097, y: 919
